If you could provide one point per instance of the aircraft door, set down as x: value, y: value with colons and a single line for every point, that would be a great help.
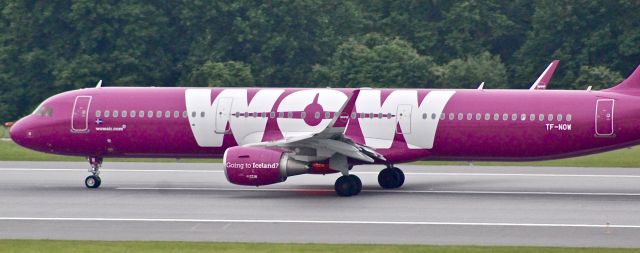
x: 604, y: 117
x: 223, y: 113
x: 403, y: 118
x: 80, y: 114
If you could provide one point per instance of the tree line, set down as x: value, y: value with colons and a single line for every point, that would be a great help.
x: 48, y: 47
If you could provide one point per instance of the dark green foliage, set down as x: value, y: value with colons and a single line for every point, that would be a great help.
x: 47, y: 47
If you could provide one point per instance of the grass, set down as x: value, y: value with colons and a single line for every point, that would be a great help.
x: 4, y: 132
x: 629, y: 157
x: 49, y: 246
x: 9, y: 151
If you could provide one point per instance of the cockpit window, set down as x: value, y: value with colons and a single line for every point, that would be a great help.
x: 44, y: 111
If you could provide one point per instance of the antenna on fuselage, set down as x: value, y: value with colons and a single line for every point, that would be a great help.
x: 481, y: 86
x: 99, y: 84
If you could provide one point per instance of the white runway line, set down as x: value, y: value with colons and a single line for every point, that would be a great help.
x: 355, y: 172
x: 329, y: 222
x: 379, y: 191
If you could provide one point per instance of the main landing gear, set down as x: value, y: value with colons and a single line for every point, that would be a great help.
x: 391, y: 178
x: 348, y: 185
x: 94, y: 181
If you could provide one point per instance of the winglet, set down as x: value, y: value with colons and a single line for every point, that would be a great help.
x: 543, y: 80
x: 481, y: 86
x: 99, y: 84
x: 341, y: 117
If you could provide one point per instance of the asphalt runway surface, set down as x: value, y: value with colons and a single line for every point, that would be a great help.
x: 462, y: 205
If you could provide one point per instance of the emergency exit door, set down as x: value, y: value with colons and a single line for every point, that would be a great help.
x: 604, y: 117
x: 80, y: 114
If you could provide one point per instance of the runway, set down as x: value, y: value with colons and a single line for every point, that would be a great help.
x: 462, y: 205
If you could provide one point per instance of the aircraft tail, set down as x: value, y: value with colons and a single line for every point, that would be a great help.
x: 629, y: 85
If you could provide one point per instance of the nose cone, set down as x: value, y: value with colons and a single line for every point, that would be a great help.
x: 20, y: 133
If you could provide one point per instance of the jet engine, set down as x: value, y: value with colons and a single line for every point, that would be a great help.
x: 260, y: 166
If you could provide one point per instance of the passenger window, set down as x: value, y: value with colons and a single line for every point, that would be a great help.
x: 272, y: 115
x: 442, y: 116
x: 289, y: 114
x: 532, y: 117
x: 281, y: 115
x: 568, y: 117
x: 487, y: 116
x: 303, y: 115
x: 514, y: 116
x: 201, y: 114
x: 115, y: 113
x: 167, y: 114
x: 326, y: 114
x: 185, y: 114
x: 354, y: 115
x: 124, y: 114
x: 106, y: 114
x: 424, y: 115
x: 460, y: 116
x: 523, y: 117
x: 132, y: 114
x: 433, y: 116
x: 496, y: 116
x: 150, y: 114
x: 550, y: 117
x: 541, y: 117
x: 469, y: 116
x: 193, y: 114
x: 451, y: 116
x: 158, y: 114
x: 559, y: 118
x: 388, y: 115
x: 98, y: 113
x: 478, y: 116
x: 246, y: 114
x: 176, y: 114
x: 141, y: 114
x: 505, y: 116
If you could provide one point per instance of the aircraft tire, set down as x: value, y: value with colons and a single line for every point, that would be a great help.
x: 391, y: 178
x: 347, y: 186
x: 401, y: 178
x: 358, y: 186
x: 92, y: 182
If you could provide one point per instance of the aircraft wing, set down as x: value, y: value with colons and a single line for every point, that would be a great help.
x: 331, y: 140
x: 543, y: 80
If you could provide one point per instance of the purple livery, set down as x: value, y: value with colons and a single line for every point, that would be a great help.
x: 267, y: 135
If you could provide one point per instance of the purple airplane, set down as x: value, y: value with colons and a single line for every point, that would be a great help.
x: 267, y: 135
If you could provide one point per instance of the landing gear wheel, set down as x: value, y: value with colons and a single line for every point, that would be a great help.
x: 358, y: 185
x: 92, y: 182
x: 348, y: 186
x: 391, y: 178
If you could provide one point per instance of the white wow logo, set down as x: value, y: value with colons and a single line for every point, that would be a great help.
x: 378, y: 133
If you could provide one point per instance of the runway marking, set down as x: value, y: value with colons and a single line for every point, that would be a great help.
x: 381, y: 191
x: 356, y: 173
x: 330, y: 222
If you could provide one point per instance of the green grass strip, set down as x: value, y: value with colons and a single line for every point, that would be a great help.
x: 27, y: 246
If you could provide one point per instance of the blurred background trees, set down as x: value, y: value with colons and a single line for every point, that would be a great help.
x: 47, y: 47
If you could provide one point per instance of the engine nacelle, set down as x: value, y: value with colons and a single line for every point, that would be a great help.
x: 260, y: 166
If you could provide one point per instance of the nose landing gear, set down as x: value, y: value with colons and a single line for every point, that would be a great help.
x: 94, y: 180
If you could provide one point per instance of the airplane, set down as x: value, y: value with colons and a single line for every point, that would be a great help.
x: 265, y: 135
